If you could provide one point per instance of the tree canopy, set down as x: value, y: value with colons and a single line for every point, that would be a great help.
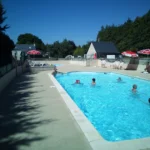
x: 132, y: 35
x: 29, y: 38
x: 6, y: 44
x: 61, y: 49
x: 81, y: 50
x: 2, y: 18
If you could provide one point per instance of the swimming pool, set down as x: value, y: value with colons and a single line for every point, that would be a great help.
x: 111, y: 107
x: 57, y: 65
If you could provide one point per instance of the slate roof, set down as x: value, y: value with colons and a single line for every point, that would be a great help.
x: 24, y: 47
x: 105, y: 47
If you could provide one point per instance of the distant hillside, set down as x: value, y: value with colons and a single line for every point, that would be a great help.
x: 133, y: 35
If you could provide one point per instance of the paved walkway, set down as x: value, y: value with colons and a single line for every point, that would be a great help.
x: 34, y: 117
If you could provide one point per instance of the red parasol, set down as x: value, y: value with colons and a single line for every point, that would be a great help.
x: 34, y: 52
x: 129, y: 54
x: 144, y: 52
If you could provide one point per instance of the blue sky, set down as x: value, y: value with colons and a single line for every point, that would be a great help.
x: 77, y: 20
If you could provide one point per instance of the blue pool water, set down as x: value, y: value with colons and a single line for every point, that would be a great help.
x: 57, y: 65
x: 116, y: 112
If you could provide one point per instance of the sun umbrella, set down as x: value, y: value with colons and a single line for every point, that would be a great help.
x: 129, y: 54
x: 34, y: 52
x: 144, y: 52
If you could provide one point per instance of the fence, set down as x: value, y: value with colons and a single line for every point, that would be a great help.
x: 43, y: 59
x: 5, y: 69
x: 96, y: 62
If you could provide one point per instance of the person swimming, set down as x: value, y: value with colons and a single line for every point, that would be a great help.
x: 134, y: 88
x: 93, y: 81
x: 77, y: 82
x: 149, y: 100
x: 119, y: 79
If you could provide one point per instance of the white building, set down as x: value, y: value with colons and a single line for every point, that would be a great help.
x: 102, y: 49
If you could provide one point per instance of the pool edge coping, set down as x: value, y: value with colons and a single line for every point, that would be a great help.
x: 94, y: 138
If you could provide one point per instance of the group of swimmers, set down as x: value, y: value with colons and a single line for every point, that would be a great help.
x: 93, y: 82
x: 134, y: 87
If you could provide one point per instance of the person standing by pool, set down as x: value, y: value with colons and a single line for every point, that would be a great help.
x: 134, y: 88
x: 93, y: 81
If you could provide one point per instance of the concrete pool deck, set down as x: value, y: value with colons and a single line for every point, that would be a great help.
x: 95, y: 140
x: 34, y: 116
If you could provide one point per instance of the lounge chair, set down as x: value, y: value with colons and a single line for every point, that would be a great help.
x: 121, y: 65
x: 133, y: 64
x: 115, y: 65
x: 103, y: 63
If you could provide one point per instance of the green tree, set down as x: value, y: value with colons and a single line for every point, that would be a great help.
x: 29, y: 38
x: 2, y: 18
x: 6, y: 44
x: 86, y: 46
x: 61, y: 49
x: 79, y: 51
x: 132, y: 35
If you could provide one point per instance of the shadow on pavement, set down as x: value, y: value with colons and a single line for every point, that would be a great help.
x: 20, y: 114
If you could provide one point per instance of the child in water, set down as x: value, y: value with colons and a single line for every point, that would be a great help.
x: 77, y: 82
x: 119, y: 79
x: 93, y: 81
x: 134, y: 88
